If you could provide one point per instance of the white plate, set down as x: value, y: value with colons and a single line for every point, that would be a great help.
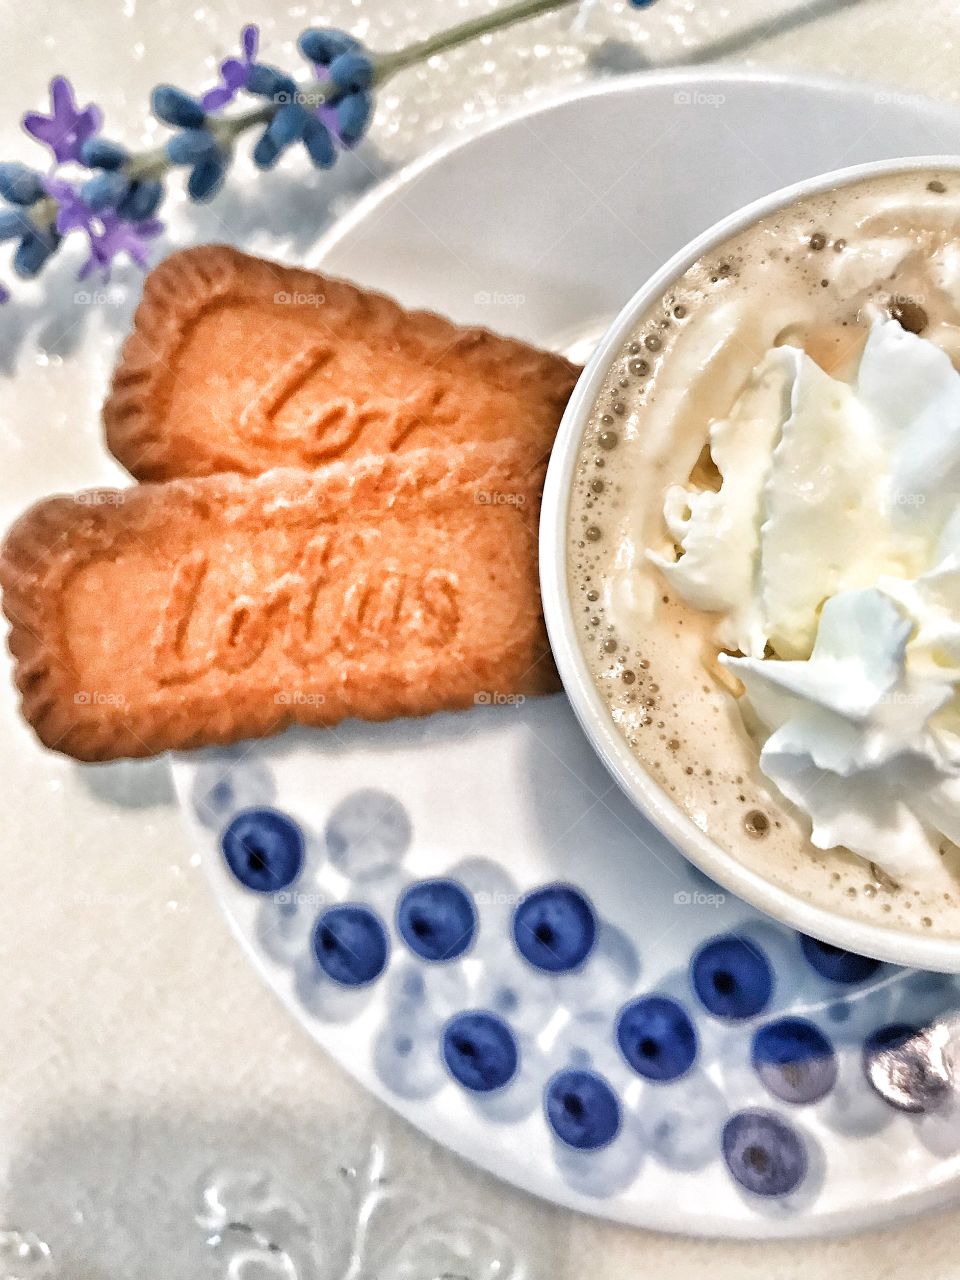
x: 542, y: 228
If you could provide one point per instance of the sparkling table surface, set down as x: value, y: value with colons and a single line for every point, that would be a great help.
x: 160, y: 1113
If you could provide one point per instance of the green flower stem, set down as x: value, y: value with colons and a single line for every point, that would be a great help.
x: 42, y: 213
x: 388, y: 63
x: 226, y: 129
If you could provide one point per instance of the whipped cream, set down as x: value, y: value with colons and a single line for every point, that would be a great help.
x: 831, y: 554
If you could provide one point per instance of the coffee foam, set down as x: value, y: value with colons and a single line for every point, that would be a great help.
x: 813, y: 275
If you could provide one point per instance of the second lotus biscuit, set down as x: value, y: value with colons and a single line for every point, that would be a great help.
x: 205, y: 611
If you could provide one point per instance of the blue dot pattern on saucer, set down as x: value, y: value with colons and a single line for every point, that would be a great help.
x: 480, y: 1051
x: 368, y: 832
x: 350, y: 944
x: 835, y: 963
x: 437, y: 919
x: 480, y: 971
x: 555, y: 928
x: 657, y: 1038
x: 764, y: 1154
x: 264, y: 849
x: 795, y: 1060
x: 582, y: 1109
x: 892, y: 1036
x: 732, y: 977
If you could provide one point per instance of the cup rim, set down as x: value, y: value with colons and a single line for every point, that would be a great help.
x: 901, y: 946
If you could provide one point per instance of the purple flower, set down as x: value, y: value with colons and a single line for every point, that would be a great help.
x: 4, y: 295
x: 72, y: 213
x: 234, y: 72
x: 115, y: 236
x: 328, y: 115
x: 66, y: 128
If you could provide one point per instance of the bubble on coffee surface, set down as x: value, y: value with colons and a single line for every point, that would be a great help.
x: 678, y: 717
x: 910, y: 314
x: 756, y: 824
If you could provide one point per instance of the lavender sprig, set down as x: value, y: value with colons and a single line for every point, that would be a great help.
x: 97, y: 188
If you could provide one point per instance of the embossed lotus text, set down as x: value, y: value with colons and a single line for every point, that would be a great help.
x: 375, y: 608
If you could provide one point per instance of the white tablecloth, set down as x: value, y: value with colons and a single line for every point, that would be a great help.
x: 160, y: 1114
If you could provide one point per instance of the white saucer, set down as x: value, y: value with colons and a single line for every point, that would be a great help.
x: 542, y: 228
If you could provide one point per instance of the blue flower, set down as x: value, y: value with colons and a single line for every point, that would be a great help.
x: 353, y: 116
x: 199, y: 149
x: 270, y: 82
x: 105, y: 191
x: 266, y: 151
x: 351, y: 70
x: 14, y: 224
x: 343, y: 61
x: 101, y: 153
x: 66, y: 128
x: 142, y: 201
x: 34, y: 250
x: 173, y: 106
x: 339, y: 116
x: 37, y: 240
x: 234, y: 72
x: 206, y: 177
x: 319, y: 143
x: 287, y: 126
x: 321, y: 46
x: 191, y: 145
x: 20, y: 185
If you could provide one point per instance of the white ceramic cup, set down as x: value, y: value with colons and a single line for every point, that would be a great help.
x: 925, y: 950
